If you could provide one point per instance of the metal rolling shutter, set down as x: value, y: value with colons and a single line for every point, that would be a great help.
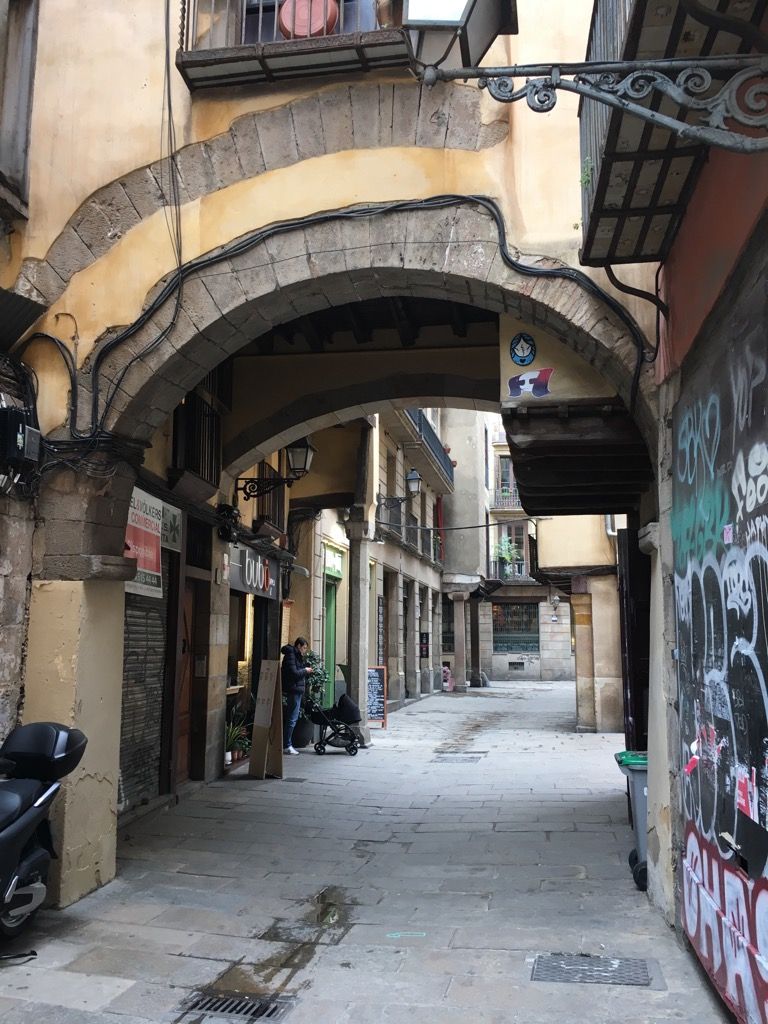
x: 144, y: 667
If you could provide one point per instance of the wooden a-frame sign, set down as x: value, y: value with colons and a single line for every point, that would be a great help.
x: 267, y: 738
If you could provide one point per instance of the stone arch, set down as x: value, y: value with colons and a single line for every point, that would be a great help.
x: 335, y: 119
x: 451, y: 253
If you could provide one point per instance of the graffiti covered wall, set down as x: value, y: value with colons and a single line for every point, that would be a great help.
x: 720, y: 535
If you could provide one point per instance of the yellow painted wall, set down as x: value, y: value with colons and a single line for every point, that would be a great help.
x: 574, y: 541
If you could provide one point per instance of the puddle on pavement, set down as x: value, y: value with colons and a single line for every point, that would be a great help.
x: 466, y: 735
x: 276, y: 974
x: 329, y: 908
x: 261, y: 979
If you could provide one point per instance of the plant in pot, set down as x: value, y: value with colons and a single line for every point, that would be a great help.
x: 317, y: 685
x: 506, y: 553
x: 235, y: 736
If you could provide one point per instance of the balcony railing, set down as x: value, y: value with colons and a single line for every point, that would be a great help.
x: 395, y: 519
x: 412, y: 530
x: 501, y: 570
x: 270, y: 507
x: 506, y: 497
x: 432, y: 442
x: 281, y: 39
x: 606, y: 42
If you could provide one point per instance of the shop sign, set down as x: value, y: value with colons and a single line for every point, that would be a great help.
x: 171, y: 535
x: 251, y: 573
x: 142, y: 542
x: 334, y: 562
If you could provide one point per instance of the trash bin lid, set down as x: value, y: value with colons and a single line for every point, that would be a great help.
x: 632, y: 759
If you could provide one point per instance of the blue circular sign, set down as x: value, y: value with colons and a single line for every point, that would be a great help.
x: 522, y: 348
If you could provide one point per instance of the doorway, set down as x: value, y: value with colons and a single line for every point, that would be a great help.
x: 329, y: 640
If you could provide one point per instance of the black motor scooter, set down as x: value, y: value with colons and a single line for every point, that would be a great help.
x: 33, y: 759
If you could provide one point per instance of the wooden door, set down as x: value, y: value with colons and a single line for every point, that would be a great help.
x: 184, y: 701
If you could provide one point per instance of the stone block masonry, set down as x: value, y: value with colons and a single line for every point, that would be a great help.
x: 16, y: 532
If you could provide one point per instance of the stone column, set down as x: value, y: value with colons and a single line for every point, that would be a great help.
x: 359, y: 532
x: 17, y: 524
x: 412, y: 680
x: 425, y: 628
x: 437, y: 641
x: 74, y: 668
x: 474, y: 643
x: 581, y: 605
x: 75, y: 676
x: 395, y: 675
x: 460, y: 641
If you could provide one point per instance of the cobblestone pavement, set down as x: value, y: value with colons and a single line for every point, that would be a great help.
x: 402, y: 885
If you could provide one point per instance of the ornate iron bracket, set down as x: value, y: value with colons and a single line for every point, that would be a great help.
x: 256, y: 487
x: 728, y: 93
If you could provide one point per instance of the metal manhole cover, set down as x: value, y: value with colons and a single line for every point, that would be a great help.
x: 236, y: 1007
x: 456, y: 758
x: 582, y: 969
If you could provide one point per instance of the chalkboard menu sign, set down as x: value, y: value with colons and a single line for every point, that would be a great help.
x: 377, y: 695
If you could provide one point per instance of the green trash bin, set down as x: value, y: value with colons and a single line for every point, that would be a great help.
x: 634, y: 764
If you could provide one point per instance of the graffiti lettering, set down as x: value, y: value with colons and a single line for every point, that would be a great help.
x: 725, y: 916
x: 750, y: 483
x: 698, y: 438
x: 745, y: 377
x: 757, y: 530
x: 698, y: 524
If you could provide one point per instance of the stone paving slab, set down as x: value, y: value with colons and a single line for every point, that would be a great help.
x: 384, y: 889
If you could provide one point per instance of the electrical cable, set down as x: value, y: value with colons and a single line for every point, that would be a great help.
x: 184, y: 271
x: 451, y: 529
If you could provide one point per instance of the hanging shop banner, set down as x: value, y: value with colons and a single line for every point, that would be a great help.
x: 171, y: 535
x: 143, y: 541
x: 251, y: 573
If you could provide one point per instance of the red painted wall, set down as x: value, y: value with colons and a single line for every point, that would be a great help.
x: 729, y: 199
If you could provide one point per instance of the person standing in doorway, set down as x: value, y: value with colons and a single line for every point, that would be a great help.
x: 294, y: 674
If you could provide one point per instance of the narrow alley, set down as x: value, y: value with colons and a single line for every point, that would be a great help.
x: 416, y: 881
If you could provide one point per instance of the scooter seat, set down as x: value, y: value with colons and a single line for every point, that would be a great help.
x: 16, y: 796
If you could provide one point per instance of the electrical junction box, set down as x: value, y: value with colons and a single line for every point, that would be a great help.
x: 19, y: 443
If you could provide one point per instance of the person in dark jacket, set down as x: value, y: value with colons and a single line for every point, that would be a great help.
x: 294, y: 674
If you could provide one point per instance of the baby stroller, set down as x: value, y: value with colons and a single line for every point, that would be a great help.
x: 335, y: 724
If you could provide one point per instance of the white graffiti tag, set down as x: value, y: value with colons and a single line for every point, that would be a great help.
x: 750, y: 480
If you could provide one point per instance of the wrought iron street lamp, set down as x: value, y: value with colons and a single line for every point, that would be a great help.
x: 729, y: 94
x: 299, y: 456
x: 412, y: 486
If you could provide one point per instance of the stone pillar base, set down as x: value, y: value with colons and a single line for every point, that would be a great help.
x: 75, y: 676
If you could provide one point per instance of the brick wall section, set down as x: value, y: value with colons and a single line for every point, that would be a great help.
x: 347, y: 117
x: 16, y: 530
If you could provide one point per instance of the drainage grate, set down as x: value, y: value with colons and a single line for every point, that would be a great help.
x: 583, y: 969
x: 236, y: 1006
x: 456, y: 758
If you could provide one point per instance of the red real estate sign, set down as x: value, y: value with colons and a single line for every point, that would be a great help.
x: 142, y: 542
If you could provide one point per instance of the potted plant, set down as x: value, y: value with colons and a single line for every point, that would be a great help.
x: 234, y: 737
x: 506, y: 553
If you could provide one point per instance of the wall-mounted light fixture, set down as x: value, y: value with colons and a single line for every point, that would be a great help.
x: 554, y: 601
x: 299, y: 456
x: 412, y: 486
x: 449, y: 38
x: 456, y: 33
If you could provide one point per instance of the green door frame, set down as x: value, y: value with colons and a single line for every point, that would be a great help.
x: 329, y: 640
